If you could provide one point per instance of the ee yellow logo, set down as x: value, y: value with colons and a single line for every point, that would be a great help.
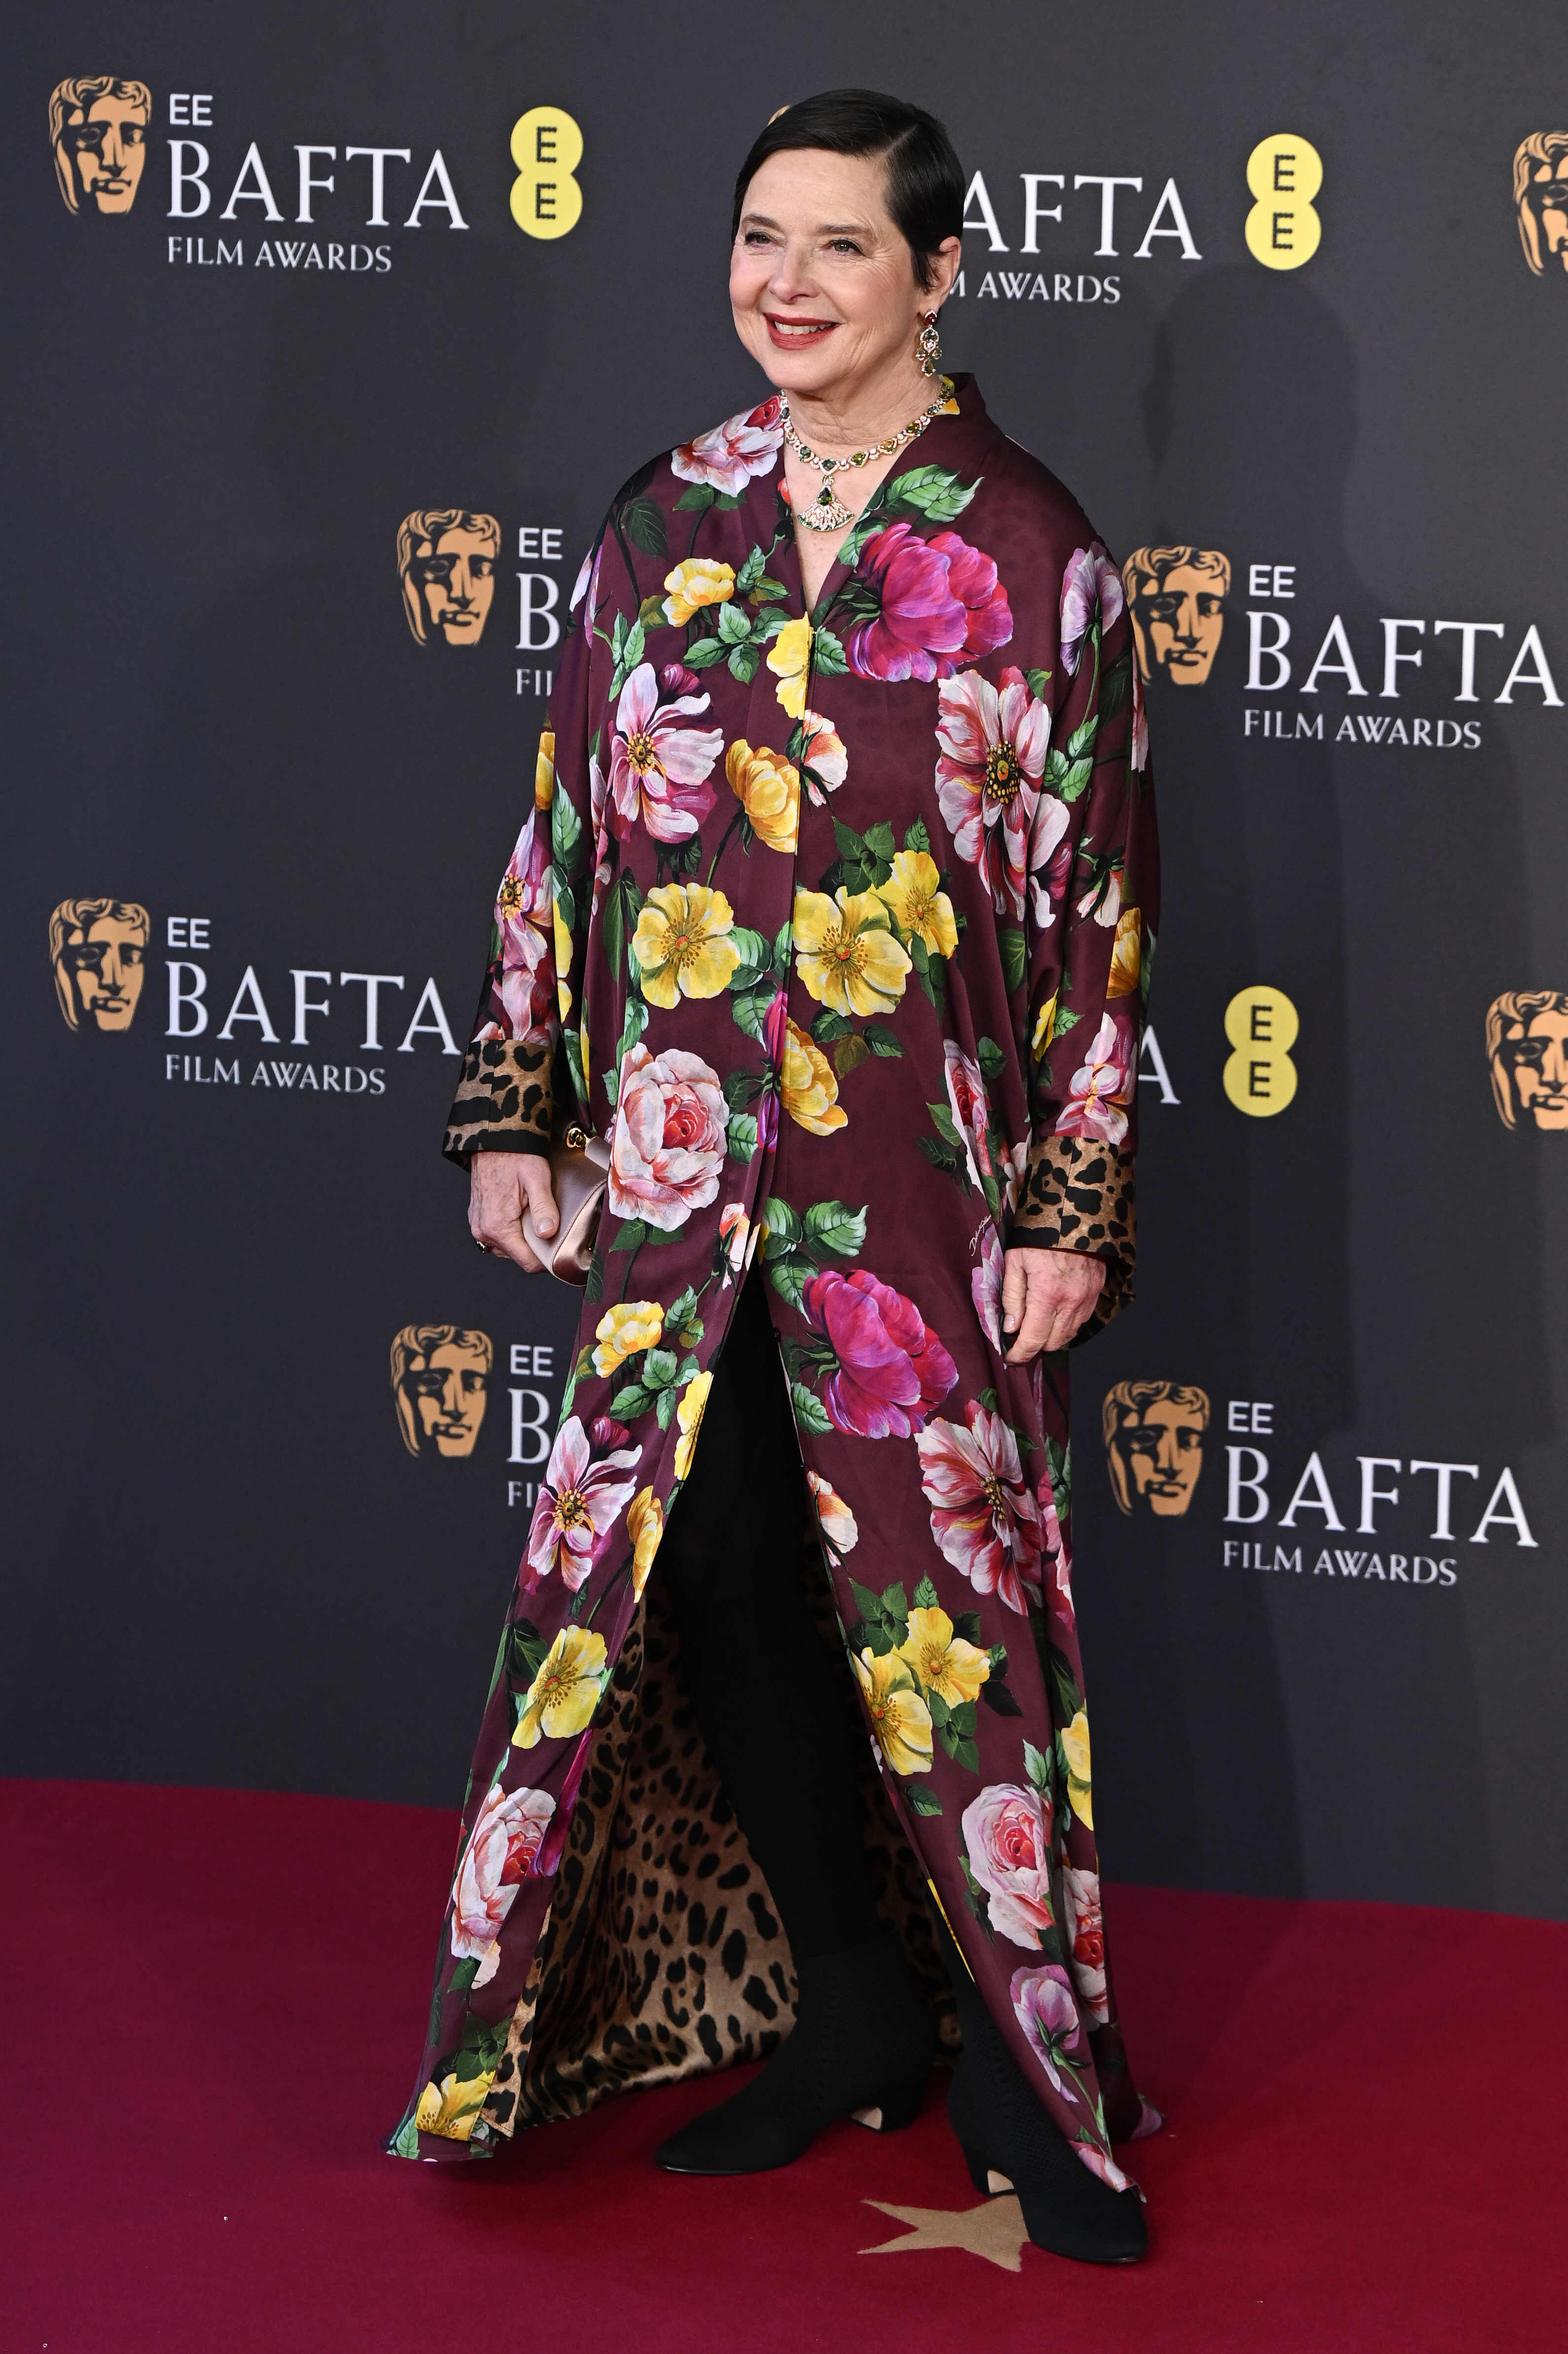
x: 1284, y: 174
x: 1262, y: 1025
x: 546, y: 147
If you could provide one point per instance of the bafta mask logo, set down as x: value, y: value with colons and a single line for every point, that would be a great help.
x: 1526, y: 1047
x: 1540, y: 198
x: 446, y: 561
x: 1176, y: 596
x: 98, y: 950
x: 98, y: 129
x: 438, y: 1376
x: 1154, y: 1444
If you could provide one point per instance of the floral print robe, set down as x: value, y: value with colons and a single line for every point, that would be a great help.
x: 838, y: 927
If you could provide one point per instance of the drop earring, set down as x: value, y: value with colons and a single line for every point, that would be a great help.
x: 929, y: 347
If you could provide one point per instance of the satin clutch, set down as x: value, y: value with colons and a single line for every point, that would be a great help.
x: 579, y: 1163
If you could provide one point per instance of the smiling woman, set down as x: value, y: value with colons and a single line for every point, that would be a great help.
x: 841, y: 828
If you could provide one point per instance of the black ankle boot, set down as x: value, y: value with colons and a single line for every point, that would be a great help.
x: 1011, y: 2142
x: 862, y: 2046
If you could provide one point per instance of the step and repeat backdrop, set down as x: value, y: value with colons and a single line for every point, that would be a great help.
x: 331, y: 334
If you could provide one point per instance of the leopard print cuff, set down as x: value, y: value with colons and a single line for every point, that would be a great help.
x: 503, y: 1101
x: 1080, y: 1195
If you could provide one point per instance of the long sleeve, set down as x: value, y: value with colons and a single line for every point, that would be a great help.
x: 1089, y: 936
x: 507, y: 1091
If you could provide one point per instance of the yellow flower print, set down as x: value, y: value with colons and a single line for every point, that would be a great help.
x: 683, y: 943
x: 899, y: 1717
x: 1125, y: 957
x: 563, y: 1696
x: 645, y: 1526
x: 789, y: 656
x: 1045, y: 1024
x: 622, y: 1331
x: 919, y: 904
x: 942, y: 1661
x: 453, y: 2108
x: 808, y: 1084
x: 544, y: 770
x: 768, y: 787
x: 1076, y: 1749
x: 697, y: 582
x: 689, y: 1414
x: 846, y: 952
x: 563, y: 959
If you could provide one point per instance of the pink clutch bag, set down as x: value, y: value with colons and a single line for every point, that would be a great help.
x: 578, y: 1165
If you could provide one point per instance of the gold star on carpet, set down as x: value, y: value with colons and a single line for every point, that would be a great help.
x: 993, y: 2230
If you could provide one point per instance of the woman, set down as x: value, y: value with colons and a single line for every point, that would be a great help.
x: 832, y: 915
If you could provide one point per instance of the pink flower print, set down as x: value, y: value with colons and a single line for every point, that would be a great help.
x: 1091, y: 580
x: 1139, y: 757
x: 578, y: 1505
x: 524, y: 919
x: 1049, y: 2016
x: 657, y: 768
x: 554, y: 1844
x: 670, y: 1139
x: 939, y: 599
x: 824, y: 763
x: 1007, y: 1837
x: 727, y: 456
x: 993, y: 744
x: 501, y: 1852
x: 985, y: 1287
x: 891, y: 1369
x: 1086, y: 1942
x: 1050, y: 858
x: 587, y: 578
x: 967, y: 1098
x: 983, y: 1514
x: 1057, y: 1547
x: 1101, y: 1087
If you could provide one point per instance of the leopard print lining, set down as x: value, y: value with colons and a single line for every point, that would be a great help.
x: 503, y: 1099
x: 662, y: 1955
x: 1080, y: 1195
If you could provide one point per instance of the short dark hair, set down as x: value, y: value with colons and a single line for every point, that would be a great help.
x: 925, y: 179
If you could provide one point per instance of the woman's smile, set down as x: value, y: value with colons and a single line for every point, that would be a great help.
x: 790, y: 335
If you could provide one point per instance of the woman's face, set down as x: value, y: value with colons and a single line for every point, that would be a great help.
x: 822, y: 281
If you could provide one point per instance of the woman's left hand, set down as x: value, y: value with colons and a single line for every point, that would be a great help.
x: 1046, y: 1294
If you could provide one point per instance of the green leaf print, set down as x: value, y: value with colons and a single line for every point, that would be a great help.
x: 704, y: 653
x: 1014, y: 957
x: 926, y: 1596
x: 992, y: 1061
x: 827, y: 655
x: 915, y: 837
x: 1116, y: 686
x: 830, y: 1226
x: 1082, y: 738
x: 922, y: 1801
x: 1038, y: 1768
x: 745, y: 660
x: 756, y: 958
x: 809, y: 1412
x: 696, y: 499
x: 930, y: 491
x: 881, y: 1040
x: 733, y: 626
x: 742, y: 1136
x: 849, y: 1054
x: 1039, y: 680
x: 879, y: 840
x: 829, y: 1026
x: 783, y: 939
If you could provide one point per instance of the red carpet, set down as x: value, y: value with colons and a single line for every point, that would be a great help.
x: 213, y: 2007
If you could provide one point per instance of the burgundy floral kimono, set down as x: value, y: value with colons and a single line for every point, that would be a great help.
x: 838, y: 926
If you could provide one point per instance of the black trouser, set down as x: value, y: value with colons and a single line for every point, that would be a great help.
x: 762, y: 1687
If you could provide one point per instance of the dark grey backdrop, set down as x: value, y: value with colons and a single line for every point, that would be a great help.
x: 222, y: 1564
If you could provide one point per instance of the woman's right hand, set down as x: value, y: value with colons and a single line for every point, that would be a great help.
x: 501, y: 1186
